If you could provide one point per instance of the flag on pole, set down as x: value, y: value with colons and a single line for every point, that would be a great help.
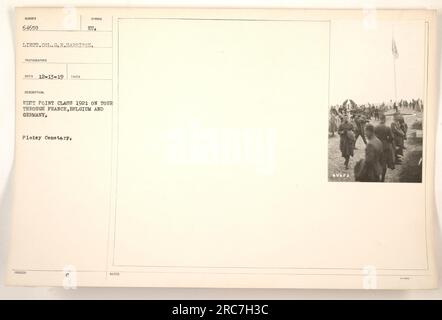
x: 394, y: 49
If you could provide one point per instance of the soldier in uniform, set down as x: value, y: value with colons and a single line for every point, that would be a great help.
x: 370, y: 169
x: 404, y: 128
x: 333, y: 122
x: 383, y: 133
x: 360, y: 121
x: 347, y: 138
x: 376, y: 113
x: 398, y: 137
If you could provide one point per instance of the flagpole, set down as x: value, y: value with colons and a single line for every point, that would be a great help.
x: 394, y: 63
x: 395, y: 80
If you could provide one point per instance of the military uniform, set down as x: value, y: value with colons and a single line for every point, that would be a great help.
x: 398, y: 138
x: 346, y: 143
x: 360, y: 121
x: 383, y: 133
x: 370, y: 170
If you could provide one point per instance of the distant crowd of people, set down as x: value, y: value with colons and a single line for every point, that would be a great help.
x: 384, y: 144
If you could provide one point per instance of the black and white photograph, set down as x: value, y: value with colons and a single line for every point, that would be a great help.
x: 376, y: 114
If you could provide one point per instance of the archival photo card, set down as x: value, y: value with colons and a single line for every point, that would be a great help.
x: 170, y: 147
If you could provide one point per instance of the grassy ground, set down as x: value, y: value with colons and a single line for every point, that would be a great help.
x: 408, y: 171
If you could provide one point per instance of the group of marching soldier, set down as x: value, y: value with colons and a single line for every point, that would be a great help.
x: 384, y: 144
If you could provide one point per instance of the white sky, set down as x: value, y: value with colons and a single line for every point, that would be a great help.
x: 361, y: 66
